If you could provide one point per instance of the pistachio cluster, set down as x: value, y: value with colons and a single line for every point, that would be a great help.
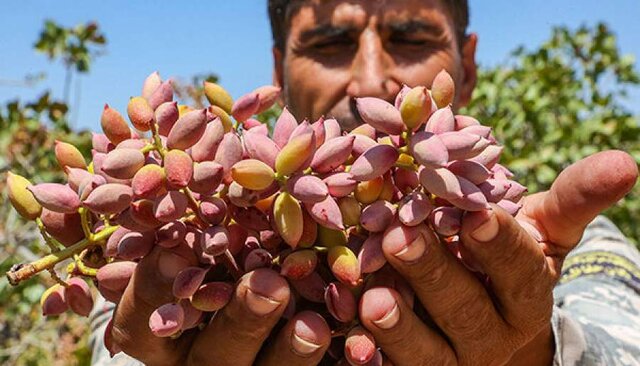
x: 311, y: 201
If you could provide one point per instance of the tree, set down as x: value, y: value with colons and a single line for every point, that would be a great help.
x: 77, y: 47
x: 28, y: 131
x: 561, y: 102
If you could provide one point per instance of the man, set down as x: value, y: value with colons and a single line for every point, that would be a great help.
x: 328, y: 52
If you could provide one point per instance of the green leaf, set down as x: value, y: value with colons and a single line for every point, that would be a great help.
x: 559, y: 102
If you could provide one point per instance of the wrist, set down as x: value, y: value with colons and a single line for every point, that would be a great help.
x: 539, y: 351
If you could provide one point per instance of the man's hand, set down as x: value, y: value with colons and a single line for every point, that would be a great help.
x: 508, y: 318
x: 236, y: 333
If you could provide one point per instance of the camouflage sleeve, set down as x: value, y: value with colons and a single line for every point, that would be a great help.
x: 596, y: 319
x: 102, y: 312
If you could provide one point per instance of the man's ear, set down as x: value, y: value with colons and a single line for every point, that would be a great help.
x: 278, y: 72
x: 469, y: 68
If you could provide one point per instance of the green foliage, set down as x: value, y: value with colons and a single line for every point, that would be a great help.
x: 77, y: 46
x: 28, y: 131
x: 26, y: 337
x: 559, y: 103
x: 270, y: 116
x: 27, y: 135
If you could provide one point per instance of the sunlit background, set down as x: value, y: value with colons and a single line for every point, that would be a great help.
x: 551, y: 104
x: 232, y: 39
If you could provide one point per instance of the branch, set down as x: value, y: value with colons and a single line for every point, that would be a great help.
x: 23, y: 272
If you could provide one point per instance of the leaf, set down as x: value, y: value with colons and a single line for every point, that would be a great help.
x: 561, y: 101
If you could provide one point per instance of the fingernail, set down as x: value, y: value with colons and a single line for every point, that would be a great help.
x: 302, y: 346
x: 169, y: 264
x: 379, y: 305
x: 390, y: 319
x: 413, y: 251
x: 260, y: 305
x: 310, y: 332
x: 488, y: 227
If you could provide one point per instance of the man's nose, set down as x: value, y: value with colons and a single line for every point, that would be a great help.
x: 371, y: 69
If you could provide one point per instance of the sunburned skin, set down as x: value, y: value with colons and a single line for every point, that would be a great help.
x: 368, y: 48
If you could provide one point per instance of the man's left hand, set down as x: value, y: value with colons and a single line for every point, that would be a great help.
x: 506, y: 319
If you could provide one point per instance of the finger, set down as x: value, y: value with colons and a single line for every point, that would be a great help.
x: 521, y: 276
x: 302, y: 341
x: 149, y: 288
x: 579, y: 194
x: 237, y: 332
x: 455, y: 299
x: 397, y: 329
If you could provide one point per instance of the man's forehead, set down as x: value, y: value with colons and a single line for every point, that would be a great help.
x: 356, y: 13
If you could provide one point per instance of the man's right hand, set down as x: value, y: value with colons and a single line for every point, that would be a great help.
x: 234, y: 336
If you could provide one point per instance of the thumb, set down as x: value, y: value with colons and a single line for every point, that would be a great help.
x: 579, y: 194
x: 149, y: 288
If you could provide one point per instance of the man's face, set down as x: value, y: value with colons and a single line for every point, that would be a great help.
x: 337, y: 50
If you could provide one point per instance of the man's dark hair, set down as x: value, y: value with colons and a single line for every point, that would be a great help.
x: 280, y: 12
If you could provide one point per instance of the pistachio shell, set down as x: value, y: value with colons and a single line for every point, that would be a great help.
x: 205, y: 148
x: 149, y: 181
x: 114, y: 126
x: 140, y: 113
x: 178, y: 168
x: 344, y: 265
x: 415, y: 107
x: 252, y: 174
x: 218, y: 96
x: 380, y: 114
x: 287, y: 216
x: 332, y: 154
x: 285, y: 124
x: 295, y: 153
x: 443, y: 89
x: 110, y: 198
x: 162, y: 94
x: 268, y: 95
x: 246, y: 106
x: 166, y: 116
x: 326, y: 213
x: 374, y: 162
x: 21, y: 198
x: 123, y: 163
x: 299, y: 264
x: 187, y: 130
x: 55, y: 197
x: 69, y: 156
x: 151, y: 83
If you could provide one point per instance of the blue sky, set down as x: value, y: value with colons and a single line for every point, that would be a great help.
x: 232, y: 39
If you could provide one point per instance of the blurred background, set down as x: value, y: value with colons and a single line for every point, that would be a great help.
x: 558, y: 82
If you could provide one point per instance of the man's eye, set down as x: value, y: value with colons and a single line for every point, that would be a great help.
x: 332, y: 43
x: 408, y: 41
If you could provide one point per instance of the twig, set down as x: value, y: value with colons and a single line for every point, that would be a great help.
x: 25, y: 271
